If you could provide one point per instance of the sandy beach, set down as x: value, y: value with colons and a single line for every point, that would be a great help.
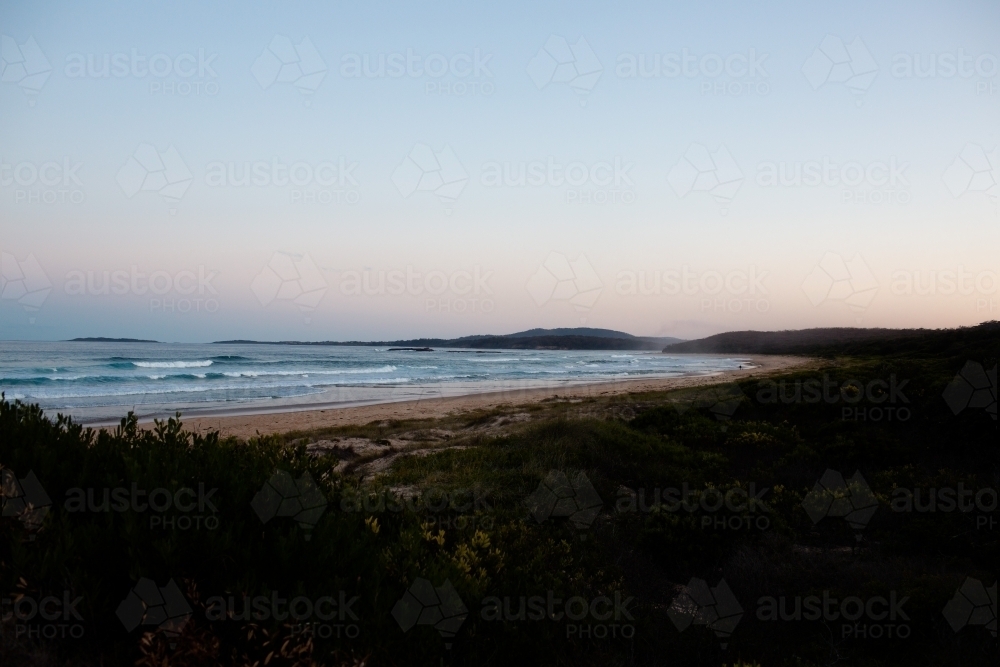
x: 248, y: 425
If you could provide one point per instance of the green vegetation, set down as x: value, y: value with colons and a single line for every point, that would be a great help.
x: 460, y: 513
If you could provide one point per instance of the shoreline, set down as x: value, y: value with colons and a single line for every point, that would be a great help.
x: 98, y: 390
x: 309, y: 417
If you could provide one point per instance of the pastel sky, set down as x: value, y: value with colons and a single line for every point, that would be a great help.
x: 379, y: 170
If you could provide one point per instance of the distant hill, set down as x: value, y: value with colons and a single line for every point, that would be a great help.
x: 581, y: 338
x: 573, y: 331
x: 563, y: 342
x: 980, y: 341
x: 99, y: 339
x: 785, y: 342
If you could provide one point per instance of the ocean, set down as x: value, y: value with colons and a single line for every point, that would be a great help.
x: 98, y: 382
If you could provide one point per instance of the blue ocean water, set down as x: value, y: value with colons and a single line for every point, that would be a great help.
x: 99, y: 380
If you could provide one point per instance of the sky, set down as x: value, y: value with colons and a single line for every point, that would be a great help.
x: 387, y: 170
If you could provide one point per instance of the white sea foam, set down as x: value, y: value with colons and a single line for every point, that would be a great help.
x: 301, y: 373
x: 171, y: 364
